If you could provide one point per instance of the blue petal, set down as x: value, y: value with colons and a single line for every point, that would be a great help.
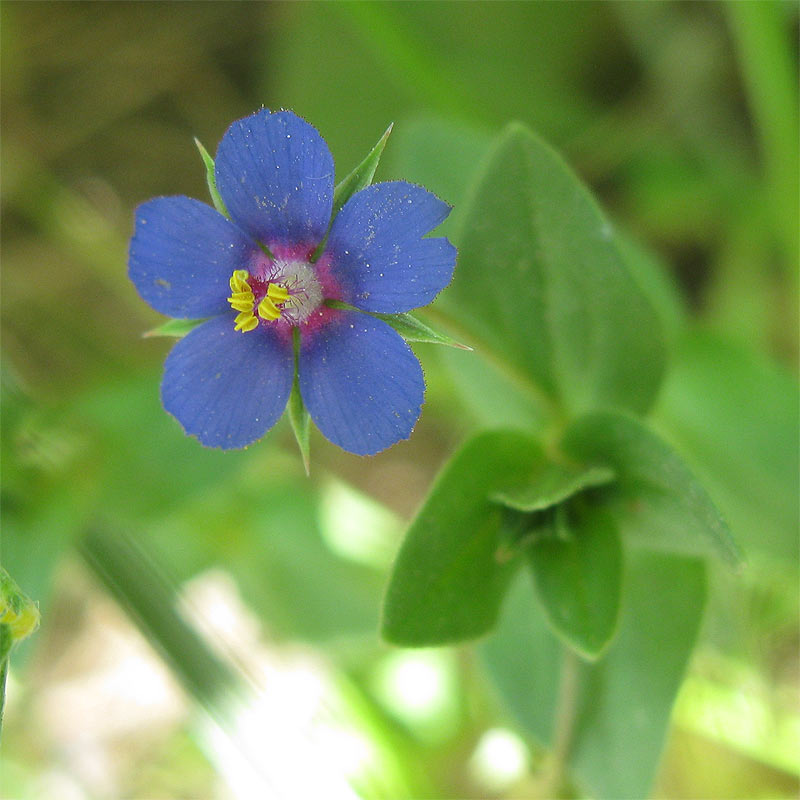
x: 228, y: 388
x: 182, y: 255
x: 275, y: 174
x: 361, y: 383
x: 378, y: 255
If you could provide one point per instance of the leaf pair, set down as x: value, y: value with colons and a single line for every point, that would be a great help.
x: 501, y: 501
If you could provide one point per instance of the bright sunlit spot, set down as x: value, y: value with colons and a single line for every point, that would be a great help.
x: 500, y: 759
x: 420, y: 688
x: 356, y: 527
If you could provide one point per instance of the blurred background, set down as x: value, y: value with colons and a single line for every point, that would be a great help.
x: 210, y: 619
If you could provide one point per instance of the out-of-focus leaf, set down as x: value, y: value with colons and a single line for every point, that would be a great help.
x: 657, y: 284
x: 540, y: 284
x: 451, y: 572
x: 734, y: 415
x: 132, y: 435
x: 174, y: 327
x: 412, y: 330
x: 624, y: 700
x: 550, y: 484
x: 263, y: 525
x: 656, y: 500
x: 578, y: 570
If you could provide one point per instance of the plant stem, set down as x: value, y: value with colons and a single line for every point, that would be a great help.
x: 564, y: 724
x: 3, y: 676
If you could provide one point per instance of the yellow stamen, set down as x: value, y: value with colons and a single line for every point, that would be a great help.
x: 242, y: 300
x: 239, y: 280
x: 245, y: 321
x: 278, y: 294
x: 268, y: 310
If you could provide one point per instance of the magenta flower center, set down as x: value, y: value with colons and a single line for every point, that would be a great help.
x: 288, y: 290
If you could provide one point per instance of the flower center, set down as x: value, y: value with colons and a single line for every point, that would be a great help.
x: 290, y: 291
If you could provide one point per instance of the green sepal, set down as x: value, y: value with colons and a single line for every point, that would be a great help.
x: 408, y: 326
x: 358, y: 179
x: 299, y: 418
x: 211, y: 179
x: 361, y: 176
x: 177, y: 328
x: 413, y: 330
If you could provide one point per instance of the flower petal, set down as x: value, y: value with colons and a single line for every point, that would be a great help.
x: 378, y: 255
x: 275, y: 174
x: 182, y: 255
x: 361, y: 383
x: 228, y: 388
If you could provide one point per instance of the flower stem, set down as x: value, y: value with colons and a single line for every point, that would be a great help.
x: 564, y: 726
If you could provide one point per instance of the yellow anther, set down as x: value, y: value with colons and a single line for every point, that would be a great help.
x: 277, y: 293
x: 239, y: 280
x: 268, y: 310
x: 245, y: 321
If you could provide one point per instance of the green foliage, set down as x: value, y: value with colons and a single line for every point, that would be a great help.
x: 683, y: 119
x: 540, y: 284
x: 576, y: 558
x: 656, y: 500
x: 734, y: 415
x: 452, y: 570
x: 623, y: 701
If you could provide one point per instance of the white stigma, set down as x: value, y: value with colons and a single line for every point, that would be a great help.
x: 305, y: 292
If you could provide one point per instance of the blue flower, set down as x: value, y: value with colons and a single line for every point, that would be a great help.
x: 228, y: 381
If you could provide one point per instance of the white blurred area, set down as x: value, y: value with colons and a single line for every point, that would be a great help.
x: 107, y: 705
x: 295, y: 738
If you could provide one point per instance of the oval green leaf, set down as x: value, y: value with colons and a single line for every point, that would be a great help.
x: 578, y: 571
x: 542, y: 285
x: 453, y: 568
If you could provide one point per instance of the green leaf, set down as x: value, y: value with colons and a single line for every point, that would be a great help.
x: 412, y: 330
x: 551, y: 484
x: 624, y: 700
x: 541, y: 284
x: 174, y: 327
x: 300, y: 420
x: 733, y: 413
x: 656, y: 500
x: 452, y: 569
x: 361, y: 176
x: 578, y: 570
x: 211, y: 179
